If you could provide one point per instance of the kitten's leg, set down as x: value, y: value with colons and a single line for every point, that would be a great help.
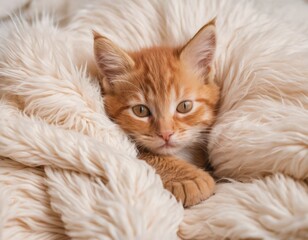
x: 188, y: 183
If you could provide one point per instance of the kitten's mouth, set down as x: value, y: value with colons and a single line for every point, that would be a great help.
x: 167, y: 145
x: 166, y: 148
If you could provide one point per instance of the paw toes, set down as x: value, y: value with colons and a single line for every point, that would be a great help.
x: 178, y: 191
x: 205, y: 187
x: 192, y: 193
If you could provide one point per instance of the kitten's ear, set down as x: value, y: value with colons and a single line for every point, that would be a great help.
x: 198, y: 53
x: 111, y: 60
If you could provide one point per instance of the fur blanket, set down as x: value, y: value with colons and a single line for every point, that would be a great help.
x: 66, y: 171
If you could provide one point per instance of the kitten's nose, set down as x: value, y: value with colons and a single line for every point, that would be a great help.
x: 166, y: 135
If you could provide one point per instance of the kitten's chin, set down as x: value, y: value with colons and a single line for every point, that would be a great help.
x: 166, y: 150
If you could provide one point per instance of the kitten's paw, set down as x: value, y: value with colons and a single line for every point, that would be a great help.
x: 193, y: 191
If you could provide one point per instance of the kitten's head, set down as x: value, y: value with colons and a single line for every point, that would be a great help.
x: 164, y: 98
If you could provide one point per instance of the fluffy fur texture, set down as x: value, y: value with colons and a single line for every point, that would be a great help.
x: 66, y: 171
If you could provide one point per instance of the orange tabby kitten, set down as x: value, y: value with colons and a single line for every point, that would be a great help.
x: 164, y: 99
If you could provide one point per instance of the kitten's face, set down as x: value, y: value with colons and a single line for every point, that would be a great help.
x: 160, y: 97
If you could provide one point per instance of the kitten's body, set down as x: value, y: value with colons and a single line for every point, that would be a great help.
x: 165, y: 99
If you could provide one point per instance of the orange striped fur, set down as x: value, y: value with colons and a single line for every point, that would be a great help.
x: 159, y: 79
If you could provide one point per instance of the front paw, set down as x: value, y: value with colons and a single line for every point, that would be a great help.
x: 192, y: 191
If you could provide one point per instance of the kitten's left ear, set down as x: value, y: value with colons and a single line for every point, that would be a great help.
x: 199, y: 52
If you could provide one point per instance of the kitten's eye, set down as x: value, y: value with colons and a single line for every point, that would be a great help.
x: 185, y: 106
x: 141, y: 111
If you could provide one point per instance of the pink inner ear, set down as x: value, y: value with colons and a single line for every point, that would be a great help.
x: 110, y: 63
x: 112, y: 60
x: 199, y: 51
x: 205, y: 57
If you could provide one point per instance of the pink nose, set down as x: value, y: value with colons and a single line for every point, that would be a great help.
x: 166, y: 135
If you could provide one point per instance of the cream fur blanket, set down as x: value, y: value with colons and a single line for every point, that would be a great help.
x: 67, y: 172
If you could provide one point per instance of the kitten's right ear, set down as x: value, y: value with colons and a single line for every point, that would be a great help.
x: 111, y: 60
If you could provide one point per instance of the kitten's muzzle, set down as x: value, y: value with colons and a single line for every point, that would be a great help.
x: 166, y: 135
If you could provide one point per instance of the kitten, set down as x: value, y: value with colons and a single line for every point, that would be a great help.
x: 164, y: 99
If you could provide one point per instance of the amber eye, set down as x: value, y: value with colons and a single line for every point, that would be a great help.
x: 141, y: 111
x: 185, y: 106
